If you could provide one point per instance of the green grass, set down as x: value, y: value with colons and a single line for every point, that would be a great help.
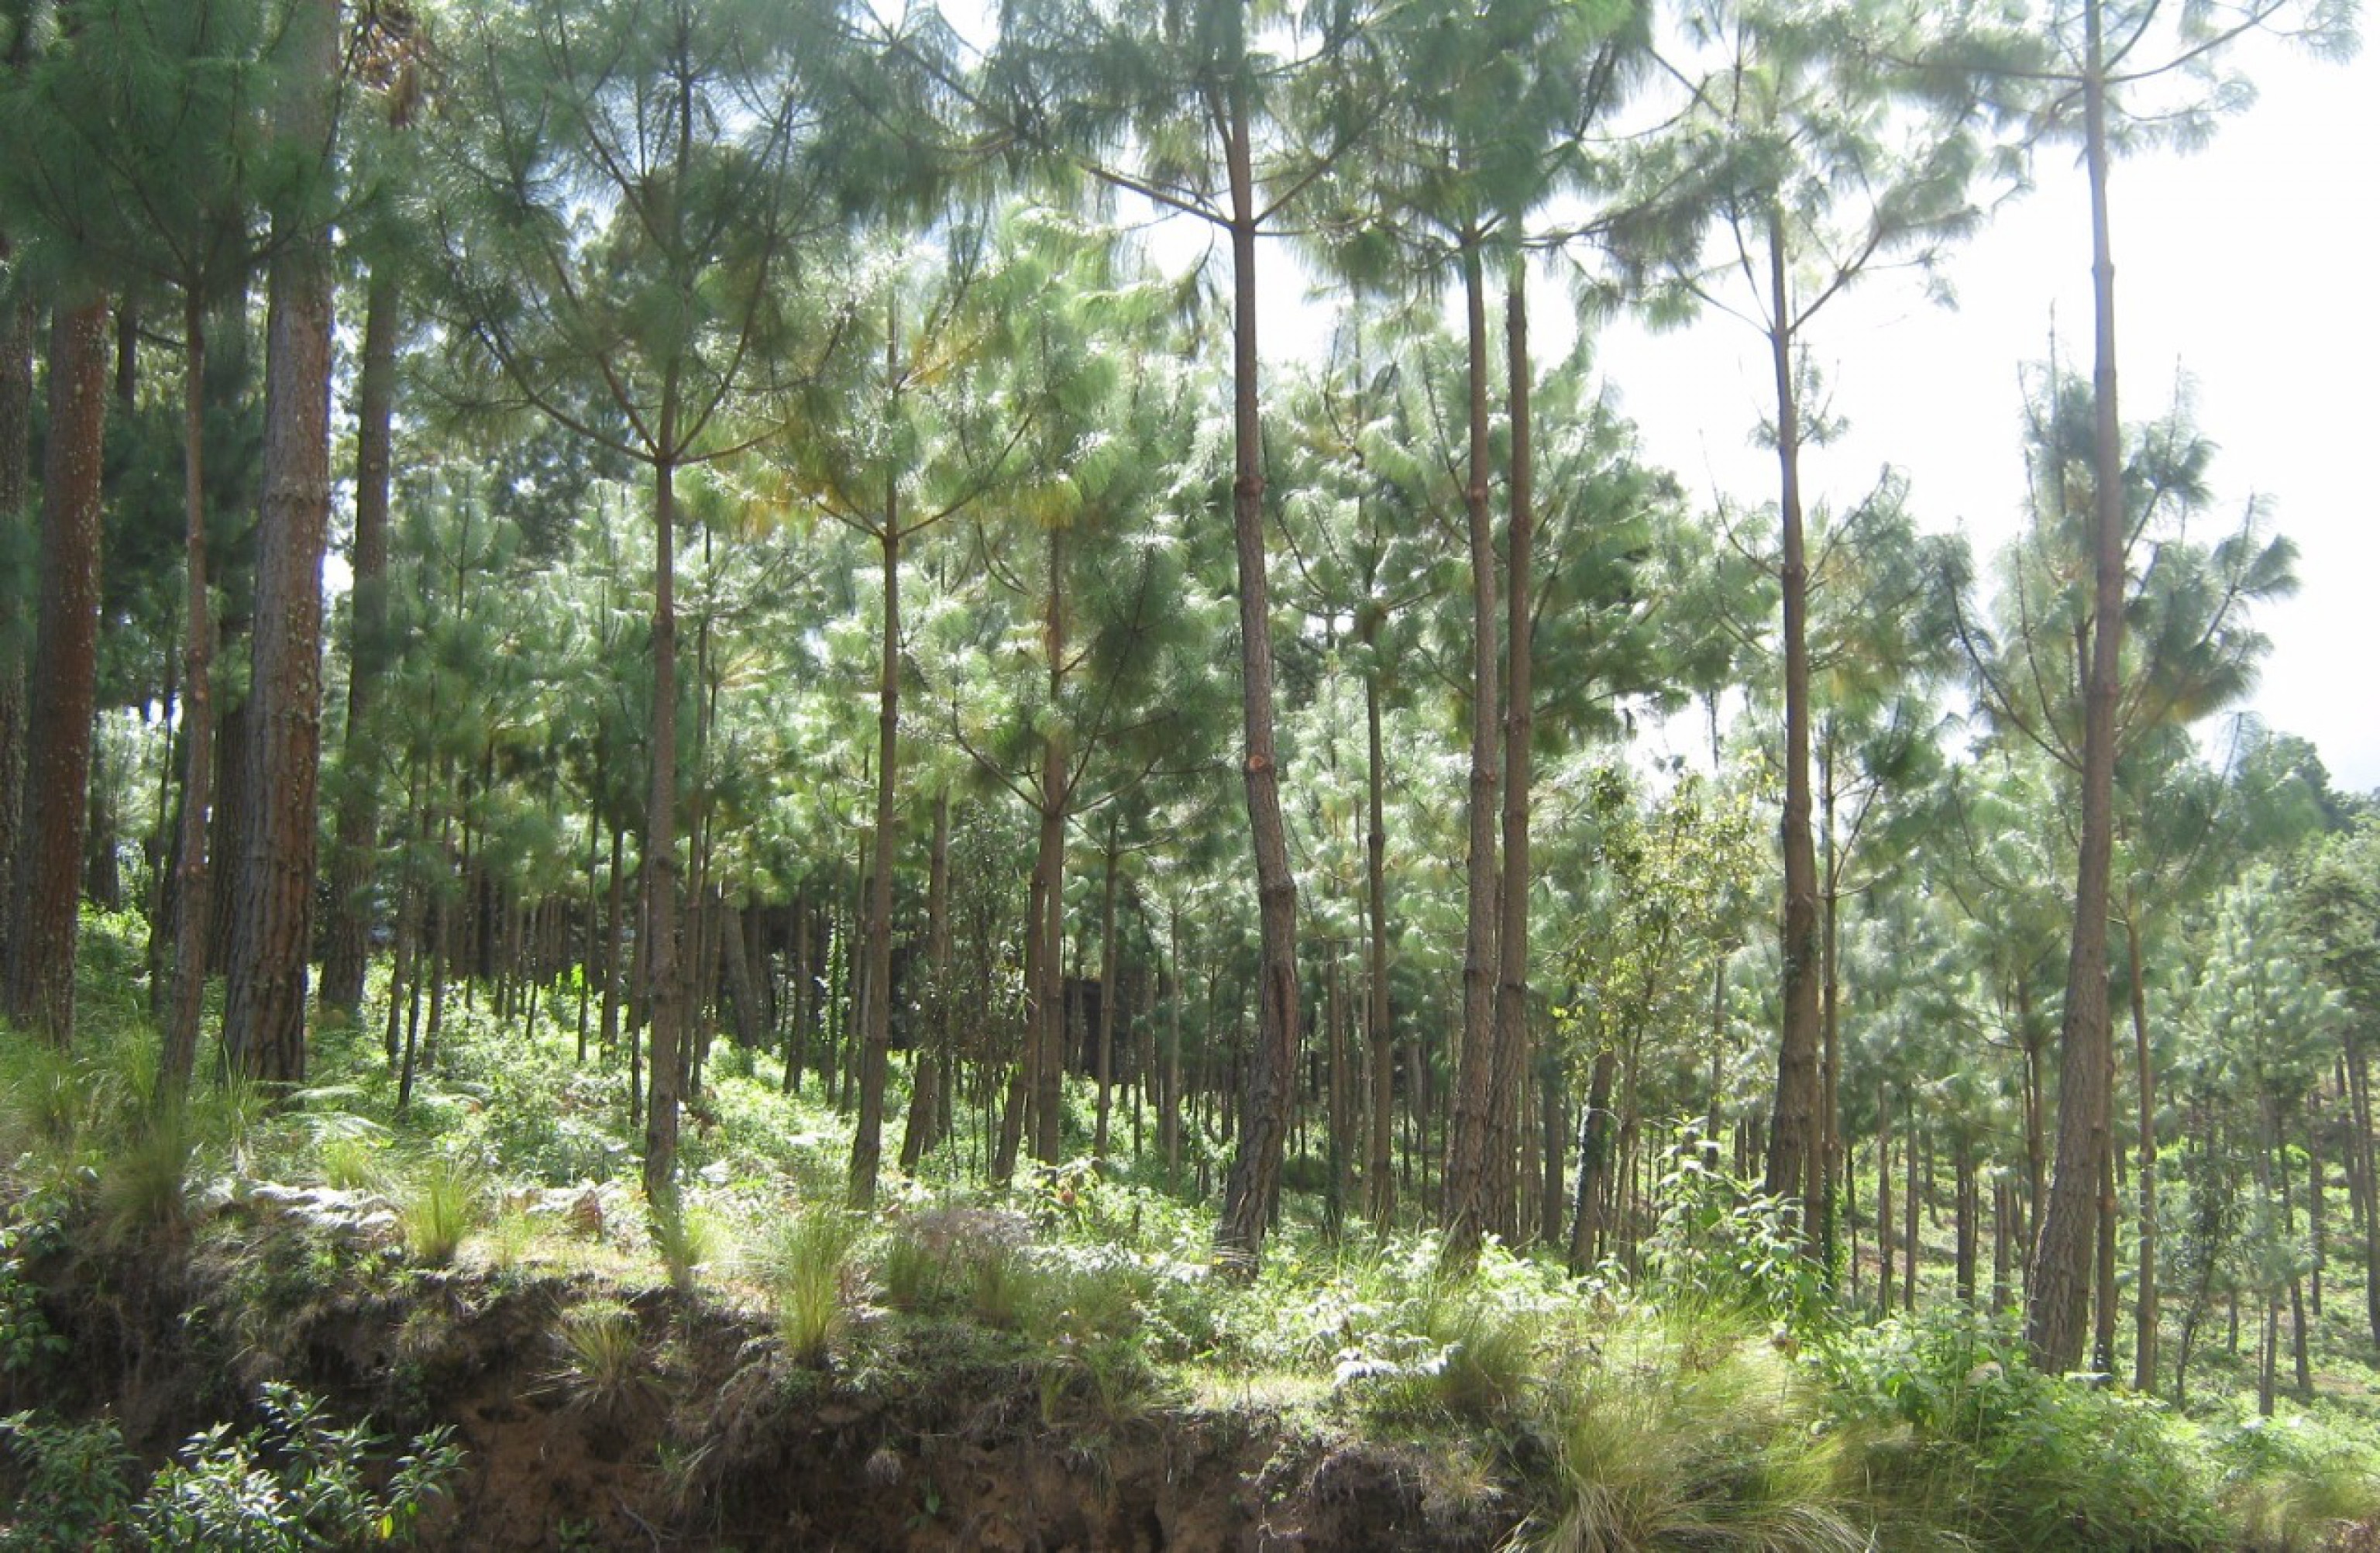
x: 1703, y: 1404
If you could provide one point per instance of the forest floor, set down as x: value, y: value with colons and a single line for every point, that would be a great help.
x: 1056, y: 1366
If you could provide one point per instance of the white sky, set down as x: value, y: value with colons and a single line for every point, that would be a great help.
x: 2245, y: 265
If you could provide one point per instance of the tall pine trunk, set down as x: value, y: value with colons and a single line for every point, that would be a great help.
x: 1513, y: 1059
x: 1795, y: 1131
x: 875, y: 1039
x: 17, y: 331
x: 1383, y: 1185
x: 64, y: 683
x: 358, y: 818
x: 2057, y: 1292
x: 1264, y: 1112
x: 664, y: 1006
x: 264, y: 1007
x: 2144, y: 1283
x: 181, y: 1024
x: 1465, y: 1206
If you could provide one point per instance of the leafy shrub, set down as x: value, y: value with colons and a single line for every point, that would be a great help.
x: 30, y: 1346
x: 76, y: 1485
x: 1968, y: 1436
x: 2288, y: 1483
x: 292, y: 1482
x: 1721, y: 1245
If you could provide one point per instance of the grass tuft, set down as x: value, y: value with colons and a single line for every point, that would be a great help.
x: 440, y: 1207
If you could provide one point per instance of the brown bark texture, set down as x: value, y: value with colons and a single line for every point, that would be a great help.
x: 358, y: 818
x: 1264, y: 1106
x: 264, y: 1008
x: 63, y: 684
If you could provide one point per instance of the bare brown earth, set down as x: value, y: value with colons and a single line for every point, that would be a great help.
x: 926, y: 1438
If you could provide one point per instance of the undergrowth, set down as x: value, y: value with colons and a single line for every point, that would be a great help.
x: 1715, y: 1398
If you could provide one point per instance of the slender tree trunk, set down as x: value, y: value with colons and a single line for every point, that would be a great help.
x: 2057, y: 1295
x: 1466, y: 1206
x: 665, y: 1006
x: 1169, y: 1115
x: 1256, y: 1166
x: 2317, y: 1234
x: 1512, y: 1057
x: 616, y: 902
x: 1593, y: 1163
x: 64, y: 686
x: 1968, y: 1212
x: 937, y: 1053
x: 1908, y: 1200
x: 180, y: 1052
x: 1383, y: 1185
x: 2003, y: 1241
x: 1022, y: 1082
x: 1884, y: 1231
x: 2144, y: 1286
x: 1105, y: 1034
x: 349, y: 936
x: 876, y: 1040
x: 1047, y: 1038
x: 1795, y: 1135
x: 1830, y: 1061
x: 2359, y: 1081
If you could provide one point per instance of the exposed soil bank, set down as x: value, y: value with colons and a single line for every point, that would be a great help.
x: 916, y: 1436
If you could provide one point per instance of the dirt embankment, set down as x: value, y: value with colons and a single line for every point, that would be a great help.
x: 681, y: 1422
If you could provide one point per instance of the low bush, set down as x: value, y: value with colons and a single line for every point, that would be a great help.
x: 1963, y: 1432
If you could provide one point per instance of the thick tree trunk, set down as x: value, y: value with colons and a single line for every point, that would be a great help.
x: 64, y: 683
x: 264, y: 1005
x: 1796, y: 1133
x: 17, y: 331
x: 2057, y: 1295
x: 1256, y: 1166
x: 349, y: 933
x: 1466, y: 1206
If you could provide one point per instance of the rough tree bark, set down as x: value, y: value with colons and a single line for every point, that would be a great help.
x: 1512, y: 1059
x: 1465, y: 1206
x: 264, y: 1008
x: 359, y: 817
x: 2057, y: 1288
x: 1256, y: 1164
x: 64, y: 682
x: 1795, y: 1167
